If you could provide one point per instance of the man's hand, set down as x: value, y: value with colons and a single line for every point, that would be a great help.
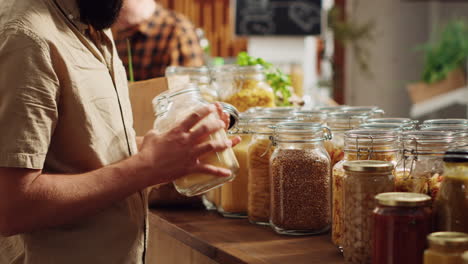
x: 176, y: 153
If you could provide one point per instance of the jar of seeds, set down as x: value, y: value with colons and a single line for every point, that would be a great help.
x: 360, y: 144
x: 363, y: 181
x: 258, y: 163
x: 300, y: 179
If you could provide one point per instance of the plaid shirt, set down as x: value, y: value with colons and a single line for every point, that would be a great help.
x: 166, y: 39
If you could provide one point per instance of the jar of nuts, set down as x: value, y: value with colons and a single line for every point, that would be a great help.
x: 258, y: 163
x: 300, y: 179
x: 363, y: 181
x: 360, y: 144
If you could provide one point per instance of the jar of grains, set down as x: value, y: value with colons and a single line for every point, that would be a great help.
x: 233, y: 195
x: 446, y: 248
x: 199, y: 75
x: 360, y: 144
x: 300, y: 179
x: 402, y: 222
x: 173, y: 105
x: 250, y: 88
x: 339, y: 123
x: 258, y: 163
x: 421, y: 167
x: 451, y: 204
x: 363, y: 180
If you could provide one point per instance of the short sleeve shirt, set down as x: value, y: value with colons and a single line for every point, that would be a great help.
x: 64, y: 108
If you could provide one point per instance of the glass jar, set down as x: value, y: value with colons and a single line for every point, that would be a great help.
x: 451, y: 204
x: 360, y: 144
x: 402, y: 222
x: 197, y: 75
x: 211, y: 199
x: 300, y: 179
x: 171, y: 107
x: 421, y: 167
x: 250, y: 88
x: 339, y: 123
x: 363, y: 181
x: 446, y: 248
x: 395, y: 120
x: 233, y: 195
x: 330, y: 109
x: 310, y: 116
x: 445, y: 122
x: 258, y: 162
x: 371, y: 111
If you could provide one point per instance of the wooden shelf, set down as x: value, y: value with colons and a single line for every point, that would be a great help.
x: 235, y: 241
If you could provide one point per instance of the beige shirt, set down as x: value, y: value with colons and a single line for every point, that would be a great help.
x: 64, y: 108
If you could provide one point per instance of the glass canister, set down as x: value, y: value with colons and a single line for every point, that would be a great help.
x: 363, y: 181
x: 310, y: 116
x: 451, y: 204
x: 445, y: 122
x: 372, y: 111
x: 446, y: 248
x: 402, y: 222
x: 250, y: 88
x: 170, y: 107
x: 233, y: 195
x: 198, y: 75
x: 421, y: 167
x: 387, y: 126
x: 360, y: 144
x: 339, y: 123
x: 300, y: 179
x: 258, y: 162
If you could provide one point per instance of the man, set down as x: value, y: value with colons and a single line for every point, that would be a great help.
x: 158, y: 38
x: 71, y: 180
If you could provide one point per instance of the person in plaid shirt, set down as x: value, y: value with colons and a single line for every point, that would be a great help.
x: 158, y: 38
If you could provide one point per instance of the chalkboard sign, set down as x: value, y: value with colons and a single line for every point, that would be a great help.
x: 278, y: 17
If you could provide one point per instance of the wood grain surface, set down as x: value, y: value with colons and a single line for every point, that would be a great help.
x: 235, y: 241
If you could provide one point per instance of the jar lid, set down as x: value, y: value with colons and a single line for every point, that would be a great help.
x: 372, y: 134
x: 448, y: 239
x: 403, y: 199
x: 368, y: 166
x: 456, y: 155
x: 300, y: 132
x: 384, y: 126
x: 330, y: 108
x: 454, y: 128
x: 446, y: 122
x: 394, y: 120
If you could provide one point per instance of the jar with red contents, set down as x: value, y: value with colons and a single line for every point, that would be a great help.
x: 402, y: 222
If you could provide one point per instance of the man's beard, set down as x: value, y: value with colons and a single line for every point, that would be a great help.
x: 101, y: 14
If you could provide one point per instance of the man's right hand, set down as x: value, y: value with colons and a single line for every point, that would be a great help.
x: 175, y: 153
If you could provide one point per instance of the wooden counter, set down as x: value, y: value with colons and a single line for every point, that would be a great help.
x: 195, y: 236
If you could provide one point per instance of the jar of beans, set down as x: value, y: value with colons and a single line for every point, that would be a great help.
x: 300, y: 179
x: 364, y: 179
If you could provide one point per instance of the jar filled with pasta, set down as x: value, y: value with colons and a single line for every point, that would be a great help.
x: 198, y: 75
x: 360, y: 144
x: 451, y: 203
x: 446, y: 248
x: 421, y: 167
x: 258, y: 162
x: 170, y: 107
x: 363, y: 181
x: 250, y: 89
x: 233, y: 195
x: 339, y: 123
x: 300, y: 179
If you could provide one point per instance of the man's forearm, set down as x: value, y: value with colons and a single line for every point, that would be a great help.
x: 48, y: 200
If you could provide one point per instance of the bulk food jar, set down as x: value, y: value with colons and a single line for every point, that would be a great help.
x: 402, y: 222
x: 249, y: 88
x: 451, y: 204
x: 421, y: 167
x: 233, y: 196
x: 300, y: 179
x: 363, y: 181
x: 360, y: 144
x: 198, y: 75
x: 170, y: 107
x: 339, y: 123
x: 446, y: 248
x: 258, y: 162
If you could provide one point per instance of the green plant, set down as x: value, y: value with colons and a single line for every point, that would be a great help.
x: 448, y: 53
x: 279, y: 81
x: 130, y: 63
